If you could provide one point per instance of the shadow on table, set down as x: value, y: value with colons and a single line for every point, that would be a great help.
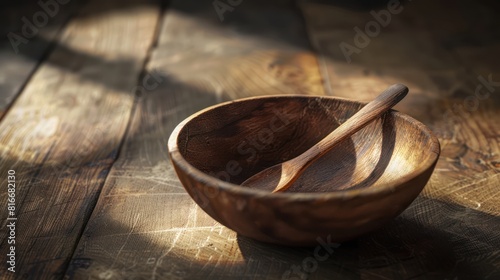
x: 276, y: 25
x: 430, y: 240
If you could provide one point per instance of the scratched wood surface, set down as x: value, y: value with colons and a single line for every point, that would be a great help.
x: 145, y: 225
x: 451, y: 230
x: 98, y: 198
x: 65, y: 129
x: 176, y: 240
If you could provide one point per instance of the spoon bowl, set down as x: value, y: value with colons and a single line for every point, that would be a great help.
x: 364, y: 182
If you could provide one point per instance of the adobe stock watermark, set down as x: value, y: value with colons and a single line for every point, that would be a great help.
x: 251, y: 145
x: 149, y: 82
x: 372, y: 29
x: 11, y: 220
x: 221, y: 7
x: 248, y: 147
x: 49, y: 9
x: 471, y: 103
x: 310, y: 264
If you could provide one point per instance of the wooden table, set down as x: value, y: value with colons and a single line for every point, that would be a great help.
x: 88, y: 102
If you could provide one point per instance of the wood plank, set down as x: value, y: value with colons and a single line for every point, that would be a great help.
x: 18, y: 62
x: 450, y: 230
x: 65, y: 131
x: 145, y: 225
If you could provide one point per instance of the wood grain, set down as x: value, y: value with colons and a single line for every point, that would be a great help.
x: 145, y: 225
x: 64, y: 132
x: 376, y: 168
x: 440, y: 59
x: 65, y: 129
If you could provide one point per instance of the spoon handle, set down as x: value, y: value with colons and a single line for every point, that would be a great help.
x: 386, y: 100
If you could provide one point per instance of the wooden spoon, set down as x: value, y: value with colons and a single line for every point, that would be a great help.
x: 281, y: 176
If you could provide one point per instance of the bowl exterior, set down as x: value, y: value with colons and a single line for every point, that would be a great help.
x: 295, y: 221
x: 298, y: 219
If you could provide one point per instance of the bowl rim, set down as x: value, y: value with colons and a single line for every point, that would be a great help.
x: 177, y: 159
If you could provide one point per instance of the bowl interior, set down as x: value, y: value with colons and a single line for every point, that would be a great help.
x: 235, y: 140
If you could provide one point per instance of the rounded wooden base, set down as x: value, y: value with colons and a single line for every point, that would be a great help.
x: 358, y: 186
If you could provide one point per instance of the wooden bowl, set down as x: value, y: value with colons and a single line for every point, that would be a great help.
x: 357, y: 187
